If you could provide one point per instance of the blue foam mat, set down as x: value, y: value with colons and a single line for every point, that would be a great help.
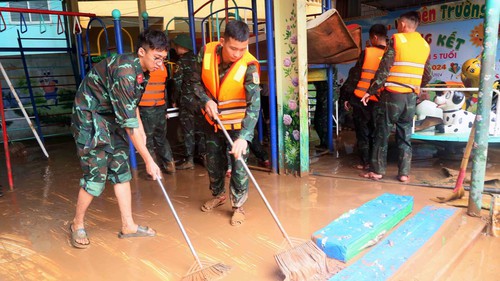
x: 381, y: 262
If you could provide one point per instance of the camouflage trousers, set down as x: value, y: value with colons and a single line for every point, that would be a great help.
x: 191, y: 120
x: 99, y: 165
x: 399, y: 110
x: 257, y: 149
x: 364, y: 126
x: 155, y: 126
x: 217, y: 161
x: 321, y: 113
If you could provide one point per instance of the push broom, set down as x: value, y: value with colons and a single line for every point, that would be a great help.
x: 303, y: 260
x: 198, y: 271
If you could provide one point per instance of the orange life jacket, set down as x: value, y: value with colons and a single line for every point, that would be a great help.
x: 154, y: 94
x: 229, y: 92
x: 405, y: 75
x: 373, y: 55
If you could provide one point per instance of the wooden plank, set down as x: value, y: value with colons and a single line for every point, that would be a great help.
x: 420, y: 259
x: 390, y: 254
x: 440, y: 264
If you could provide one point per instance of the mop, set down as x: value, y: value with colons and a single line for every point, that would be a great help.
x: 303, y: 260
x: 198, y: 271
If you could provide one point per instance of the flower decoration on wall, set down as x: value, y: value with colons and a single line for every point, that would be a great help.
x: 291, y: 120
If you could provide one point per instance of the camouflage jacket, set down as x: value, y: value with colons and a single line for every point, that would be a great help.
x: 252, y: 93
x: 185, y: 67
x: 386, y: 64
x: 107, y: 99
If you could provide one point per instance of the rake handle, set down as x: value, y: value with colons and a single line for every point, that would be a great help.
x: 255, y: 184
x: 179, y: 223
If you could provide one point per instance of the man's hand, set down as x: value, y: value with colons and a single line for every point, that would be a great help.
x: 424, y: 95
x: 211, y: 108
x: 239, y: 147
x: 347, y: 105
x: 365, y: 99
x: 153, y: 170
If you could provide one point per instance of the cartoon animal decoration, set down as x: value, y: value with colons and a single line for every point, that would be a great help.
x: 470, y: 77
x: 455, y: 119
x: 471, y: 70
x: 428, y: 116
x: 427, y: 108
x: 477, y: 35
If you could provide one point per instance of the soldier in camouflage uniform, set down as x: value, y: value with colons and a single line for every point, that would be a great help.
x: 152, y: 109
x: 354, y: 89
x: 321, y: 113
x: 190, y: 115
x: 105, y: 112
x: 403, y: 70
x: 229, y: 59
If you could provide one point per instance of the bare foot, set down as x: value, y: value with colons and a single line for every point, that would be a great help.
x: 404, y: 178
x: 371, y: 175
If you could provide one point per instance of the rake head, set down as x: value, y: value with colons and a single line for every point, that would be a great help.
x: 303, y: 262
x: 206, y: 273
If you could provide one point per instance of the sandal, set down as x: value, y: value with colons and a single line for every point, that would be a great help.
x: 78, y: 234
x: 238, y: 217
x: 213, y: 203
x: 142, y: 231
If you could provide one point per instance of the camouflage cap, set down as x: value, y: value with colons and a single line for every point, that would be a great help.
x: 184, y: 40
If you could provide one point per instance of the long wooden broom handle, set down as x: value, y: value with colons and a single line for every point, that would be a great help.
x: 465, y: 159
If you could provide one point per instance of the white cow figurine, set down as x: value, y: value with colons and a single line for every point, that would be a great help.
x: 455, y: 119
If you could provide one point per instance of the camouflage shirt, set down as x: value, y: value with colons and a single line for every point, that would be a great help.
x: 386, y: 64
x: 185, y: 67
x: 252, y: 92
x: 107, y: 99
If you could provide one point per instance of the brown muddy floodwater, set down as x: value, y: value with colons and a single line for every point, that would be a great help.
x: 35, y: 217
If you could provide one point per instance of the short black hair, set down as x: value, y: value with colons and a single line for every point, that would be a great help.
x: 154, y: 40
x: 378, y: 29
x: 237, y: 30
x: 412, y: 16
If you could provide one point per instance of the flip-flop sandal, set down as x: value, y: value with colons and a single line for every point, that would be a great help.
x: 213, y: 203
x: 78, y: 234
x: 142, y: 231
x: 238, y: 217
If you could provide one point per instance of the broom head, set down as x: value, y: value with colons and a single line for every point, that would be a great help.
x: 304, y: 261
x: 205, y: 273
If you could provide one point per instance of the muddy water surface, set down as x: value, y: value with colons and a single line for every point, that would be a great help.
x: 34, y: 221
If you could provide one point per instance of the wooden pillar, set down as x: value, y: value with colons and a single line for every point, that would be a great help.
x: 72, y: 6
x: 291, y: 86
x: 141, y: 7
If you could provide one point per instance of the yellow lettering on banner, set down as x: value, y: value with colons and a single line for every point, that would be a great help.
x: 206, y: 61
x: 239, y: 74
